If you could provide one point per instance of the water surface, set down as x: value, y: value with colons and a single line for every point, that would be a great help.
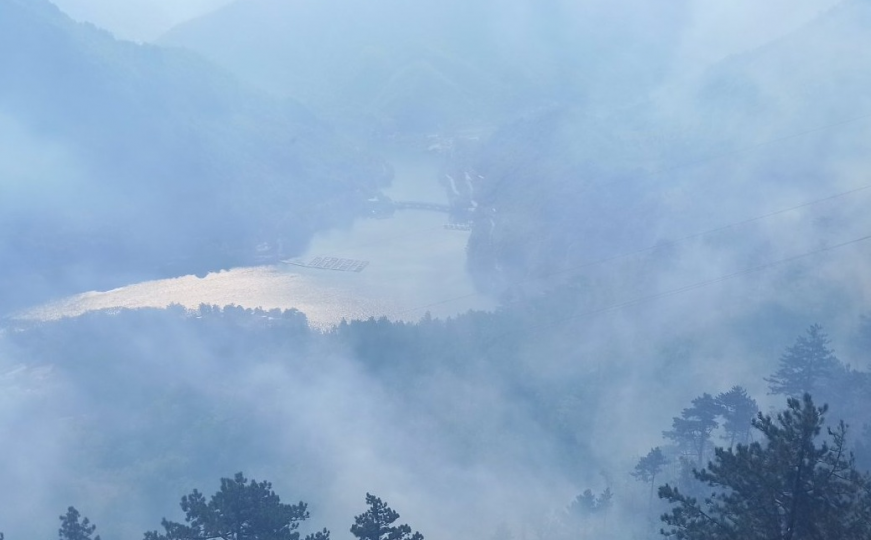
x: 415, y: 266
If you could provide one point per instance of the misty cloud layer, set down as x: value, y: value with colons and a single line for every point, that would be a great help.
x: 657, y: 201
x: 137, y: 20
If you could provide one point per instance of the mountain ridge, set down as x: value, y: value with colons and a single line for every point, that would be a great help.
x: 508, y: 57
x: 180, y: 166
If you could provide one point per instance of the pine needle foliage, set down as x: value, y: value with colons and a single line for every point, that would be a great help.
x: 786, y: 487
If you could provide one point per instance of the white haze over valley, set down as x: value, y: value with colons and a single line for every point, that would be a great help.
x: 578, y: 216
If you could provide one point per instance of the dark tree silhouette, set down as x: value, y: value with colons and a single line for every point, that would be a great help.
x: 692, y: 429
x: 376, y: 523
x: 649, y: 467
x: 583, y: 505
x: 73, y: 529
x: 805, y: 366
x: 240, y: 510
x: 784, y: 488
x: 587, y: 504
x: 738, y: 410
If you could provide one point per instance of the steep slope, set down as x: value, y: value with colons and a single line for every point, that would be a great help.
x: 435, y: 65
x: 125, y: 161
x: 761, y: 131
x: 814, y: 76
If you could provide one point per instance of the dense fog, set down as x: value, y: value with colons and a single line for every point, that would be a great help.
x: 478, y: 258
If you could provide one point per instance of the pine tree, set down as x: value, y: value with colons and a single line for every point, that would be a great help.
x: 240, y: 510
x: 692, y: 429
x: 738, y: 410
x: 806, y: 366
x: 579, y: 514
x: 376, y: 523
x: 584, y: 505
x: 605, y: 501
x: 784, y: 488
x: 649, y: 467
x: 73, y: 529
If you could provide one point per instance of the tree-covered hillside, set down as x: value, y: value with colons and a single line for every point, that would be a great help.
x: 125, y: 161
x: 396, y: 69
x: 760, y: 132
x: 487, y: 417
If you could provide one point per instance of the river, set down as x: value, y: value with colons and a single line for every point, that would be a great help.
x: 415, y: 266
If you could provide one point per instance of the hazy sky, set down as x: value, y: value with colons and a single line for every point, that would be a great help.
x: 140, y: 20
x: 720, y: 26
x: 723, y: 27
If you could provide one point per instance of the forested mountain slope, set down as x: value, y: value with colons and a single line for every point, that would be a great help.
x: 490, y: 417
x: 813, y: 76
x: 758, y: 132
x: 395, y: 67
x: 146, y: 162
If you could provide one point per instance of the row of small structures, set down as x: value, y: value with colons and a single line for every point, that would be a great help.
x: 380, y: 208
